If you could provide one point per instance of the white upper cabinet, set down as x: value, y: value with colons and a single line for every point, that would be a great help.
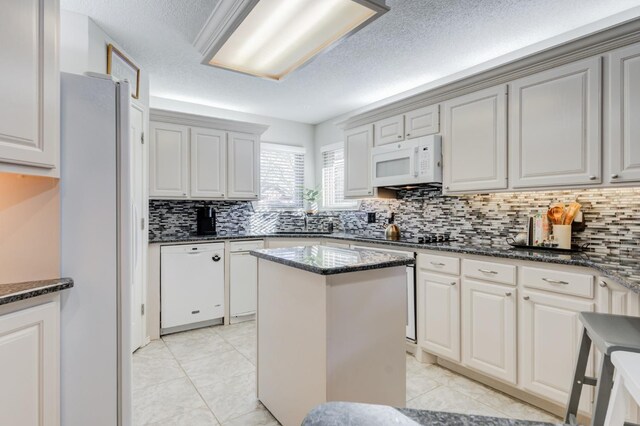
x: 244, y: 166
x: 208, y: 163
x: 624, y: 115
x: 554, y: 126
x: 489, y: 329
x: 168, y: 160
x: 30, y: 86
x: 422, y: 121
x: 357, y: 160
x: 389, y: 130
x: 474, y: 141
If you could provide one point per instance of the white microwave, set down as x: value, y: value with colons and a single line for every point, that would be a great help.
x: 413, y: 162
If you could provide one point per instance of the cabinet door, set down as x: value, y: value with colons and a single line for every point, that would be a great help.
x: 550, y: 333
x: 624, y: 110
x: 244, y: 166
x: 389, y: 130
x: 554, y: 126
x: 422, y: 122
x: 357, y: 162
x: 475, y: 141
x: 439, y: 314
x: 208, y: 163
x: 30, y: 86
x: 168, y: 161
x: 29, y: 364
x: 489, y: 329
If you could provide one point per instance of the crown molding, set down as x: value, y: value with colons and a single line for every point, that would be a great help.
x: 174, y: 117
x: 594, y: 44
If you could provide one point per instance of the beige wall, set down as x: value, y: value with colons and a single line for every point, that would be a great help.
x: 29, y: 228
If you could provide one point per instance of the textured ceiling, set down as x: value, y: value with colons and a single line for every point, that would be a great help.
x: 417, y: 42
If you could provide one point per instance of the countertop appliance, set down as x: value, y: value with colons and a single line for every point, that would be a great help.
x: 206, y: 221
x: 411, y: 289
x: 415, y: 162
x: 191, y: 286
x: 243, y: 280
x: 418, y: 239
x: 97, y: 249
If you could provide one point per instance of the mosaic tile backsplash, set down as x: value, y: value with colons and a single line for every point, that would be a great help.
x: 612, y: 216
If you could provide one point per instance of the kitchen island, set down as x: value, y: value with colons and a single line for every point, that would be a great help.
x: 331, y: 327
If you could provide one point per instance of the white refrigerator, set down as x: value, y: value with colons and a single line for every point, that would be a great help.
x: 96, y: 249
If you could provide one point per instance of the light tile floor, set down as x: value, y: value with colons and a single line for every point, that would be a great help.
x: 207, y: 377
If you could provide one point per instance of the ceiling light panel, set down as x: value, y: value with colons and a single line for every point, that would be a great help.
x: 278, y: 36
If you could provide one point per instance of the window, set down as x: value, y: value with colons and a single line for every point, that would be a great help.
x: 281, y: 176
x: 333, y: 179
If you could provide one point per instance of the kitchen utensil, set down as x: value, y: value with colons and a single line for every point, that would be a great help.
x: 572, y: 211
x: 556, y: 214
x: 521, y: 238
x: 392, y: 232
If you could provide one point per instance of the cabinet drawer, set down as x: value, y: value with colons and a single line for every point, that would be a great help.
x: 246, y: 245
x: 558, y: 281
x: 490, y: 271
x: 443, y: 264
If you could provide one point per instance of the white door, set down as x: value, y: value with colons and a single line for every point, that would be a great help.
x: 624, y: 110
x: 489, y: 329
x: 29, y: 365
x: 208, y: 163
x: 474, y: 141
x: 168, y: 160
x: 357, y: 162
x: 138, y: 201
x: 438, y: 304
x: 550, y: 333
x: 244, y: 166
x: 554, y: 126
x: 389, y: 130
x: 30, y: 83
x: 422, y: 121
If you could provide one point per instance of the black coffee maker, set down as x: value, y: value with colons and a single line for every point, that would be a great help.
x: 206, y: 221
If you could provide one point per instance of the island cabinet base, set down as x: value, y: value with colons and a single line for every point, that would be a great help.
x: 329, y: 338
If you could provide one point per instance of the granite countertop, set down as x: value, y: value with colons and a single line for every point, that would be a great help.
x: 357, y: 414
x: 325, y: 260
x: 622, y: 268
x: 12, y: 292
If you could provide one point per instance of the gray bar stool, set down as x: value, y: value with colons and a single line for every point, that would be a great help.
x: 609, y: 333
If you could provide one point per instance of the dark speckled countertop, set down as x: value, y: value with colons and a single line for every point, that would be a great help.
x: 12, y: 292
x: 356, y: 414
x: 622, y: 268
x: 325, y: 260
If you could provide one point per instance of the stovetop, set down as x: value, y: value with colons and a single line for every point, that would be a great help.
x: 415, y: 239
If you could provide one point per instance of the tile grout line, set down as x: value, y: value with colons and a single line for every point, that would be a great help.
x: 193, y: 384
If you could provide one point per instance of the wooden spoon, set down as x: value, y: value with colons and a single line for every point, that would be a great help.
x: 572, y: 211
x: 555, y: 214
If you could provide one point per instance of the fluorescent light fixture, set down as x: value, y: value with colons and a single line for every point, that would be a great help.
x: 272, y: 38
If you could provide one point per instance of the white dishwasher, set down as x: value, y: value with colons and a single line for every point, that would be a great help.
x: 191, y: 286
x: 243, y: 282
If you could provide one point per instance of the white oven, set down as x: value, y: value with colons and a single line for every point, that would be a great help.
x: 413, y: 162
x: 411, y: 289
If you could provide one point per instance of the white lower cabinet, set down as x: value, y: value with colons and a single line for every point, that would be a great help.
x: 489, y: 329
x: 550, y: 333
x: 30, y: 366
x: 243, y: 280
x: 438, y: 313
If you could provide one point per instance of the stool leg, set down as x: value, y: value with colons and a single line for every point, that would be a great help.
x: 578, y: 379
x: 603, y: 391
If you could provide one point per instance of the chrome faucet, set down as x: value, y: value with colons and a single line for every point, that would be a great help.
x: 306, y: 221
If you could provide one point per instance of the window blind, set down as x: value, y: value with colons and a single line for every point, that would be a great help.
x: 281, y: 178
x: 333, y: 181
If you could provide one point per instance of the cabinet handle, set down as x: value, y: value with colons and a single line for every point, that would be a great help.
x: 216, y: 258
x: 437, y: 264
x: 593, y: 177
x: 408, y: 134
x: 446, y: 187
x: 507, y: 294
x: 550, y: 281
x: 453, y: 283
x: 399, y: 136
x: 614, y: 176
x: 526, y: 298
x: 487, y: 271
x: 603, y: 284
